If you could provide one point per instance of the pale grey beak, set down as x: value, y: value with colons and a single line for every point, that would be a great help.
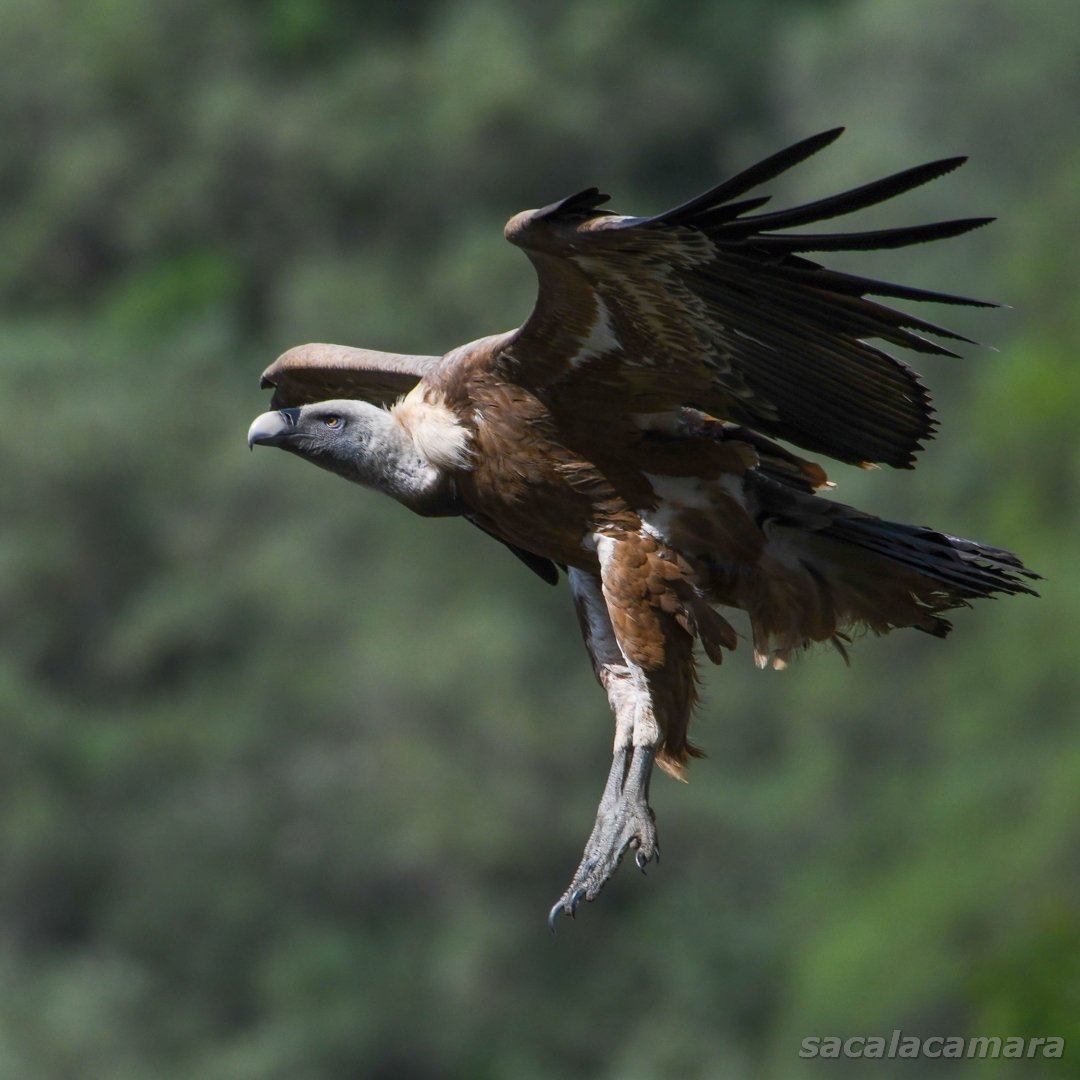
x: 273, y: 428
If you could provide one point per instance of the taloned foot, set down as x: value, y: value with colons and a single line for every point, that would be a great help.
x: 624, y: 820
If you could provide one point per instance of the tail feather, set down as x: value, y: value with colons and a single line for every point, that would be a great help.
x: 964, y: 567
x: 829, y: 567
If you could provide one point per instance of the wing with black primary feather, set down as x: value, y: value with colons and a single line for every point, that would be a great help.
x: 711, y: 305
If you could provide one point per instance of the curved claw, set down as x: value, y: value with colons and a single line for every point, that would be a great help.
x: 553, y: 914
x: 566, y: 905
x: 642, y: 861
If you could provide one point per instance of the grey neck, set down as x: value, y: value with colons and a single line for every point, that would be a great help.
x: 388, y: 461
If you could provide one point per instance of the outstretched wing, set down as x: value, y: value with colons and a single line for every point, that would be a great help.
x: 711, y: 305
x: 322, y: 372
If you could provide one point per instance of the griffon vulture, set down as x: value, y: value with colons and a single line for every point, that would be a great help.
x: 625, y: 433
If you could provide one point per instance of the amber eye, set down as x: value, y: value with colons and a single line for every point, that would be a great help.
x: 332, y: 421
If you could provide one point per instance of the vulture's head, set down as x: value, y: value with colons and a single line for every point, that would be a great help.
x: 338, y: 434
x: 361, y: 442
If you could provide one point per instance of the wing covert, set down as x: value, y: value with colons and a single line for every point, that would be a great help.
x: 320, y: 372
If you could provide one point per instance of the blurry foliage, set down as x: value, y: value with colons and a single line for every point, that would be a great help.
x: 290, y: 777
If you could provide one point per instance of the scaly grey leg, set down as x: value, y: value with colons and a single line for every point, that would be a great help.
x: 624, y: 818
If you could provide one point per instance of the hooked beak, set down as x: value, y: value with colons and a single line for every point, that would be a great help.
x: 274, y: 428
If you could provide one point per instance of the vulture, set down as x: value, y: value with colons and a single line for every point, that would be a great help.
x: 634, y: 435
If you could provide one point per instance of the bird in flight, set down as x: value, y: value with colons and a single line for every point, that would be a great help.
x: 626, y: 433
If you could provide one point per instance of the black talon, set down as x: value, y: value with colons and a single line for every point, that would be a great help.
x: 641, y: 861
x: 575, y: 899
x: 553, y: 914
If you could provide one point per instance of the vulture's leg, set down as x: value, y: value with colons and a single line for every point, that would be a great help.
x: 624, y: 818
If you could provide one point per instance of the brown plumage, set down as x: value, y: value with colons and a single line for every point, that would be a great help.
x: 625, y: 433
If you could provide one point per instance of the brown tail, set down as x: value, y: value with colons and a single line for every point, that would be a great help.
x: 961, y: 569
x: 840, y: 569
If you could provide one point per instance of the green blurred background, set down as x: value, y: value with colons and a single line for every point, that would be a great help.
x: 289, y: 778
